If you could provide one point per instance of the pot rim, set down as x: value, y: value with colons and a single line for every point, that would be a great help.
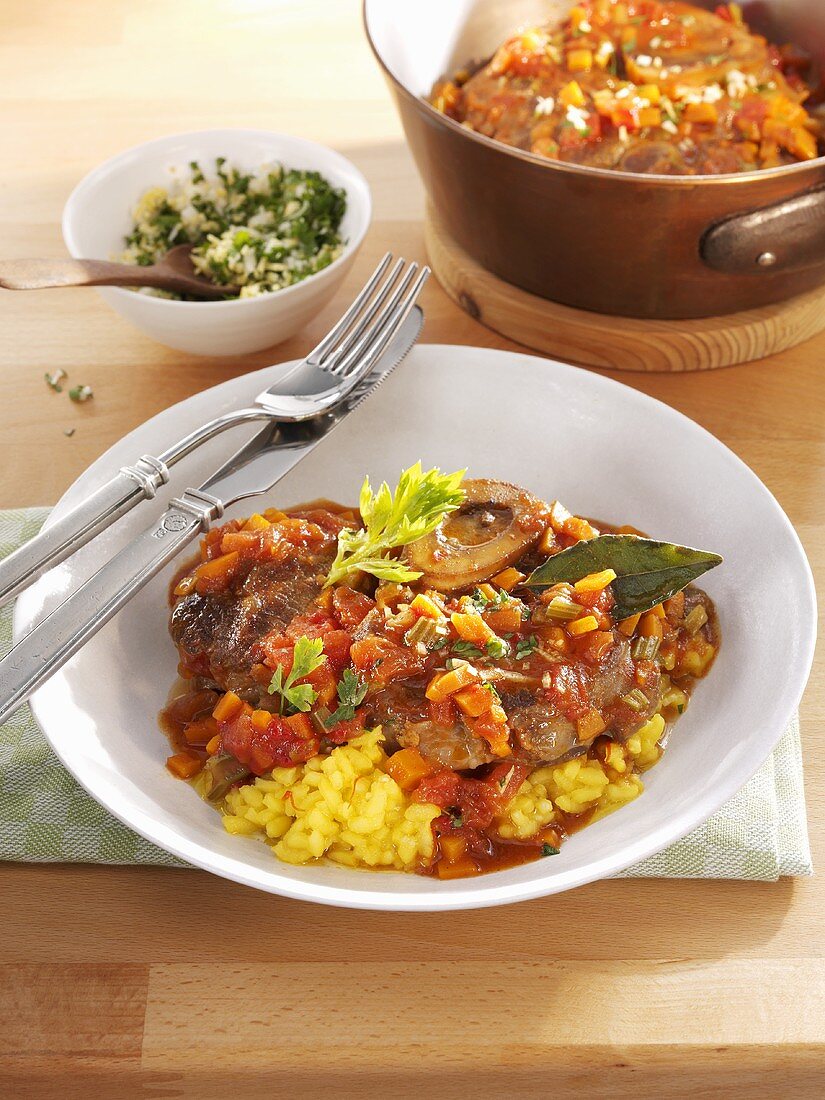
x: 565, y: 167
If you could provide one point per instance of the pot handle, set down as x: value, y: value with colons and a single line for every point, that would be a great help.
x: 787, y: 236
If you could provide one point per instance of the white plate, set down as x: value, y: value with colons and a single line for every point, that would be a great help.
x: 603, y: 449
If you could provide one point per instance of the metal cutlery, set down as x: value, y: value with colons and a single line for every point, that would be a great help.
x: 255, y: 469
x: 331, y: 369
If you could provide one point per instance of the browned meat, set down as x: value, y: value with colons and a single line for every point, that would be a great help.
x: 451, y: 746
x: 216, y: 632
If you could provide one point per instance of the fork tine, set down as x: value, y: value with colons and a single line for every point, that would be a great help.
x: 371, y: 345
x: 340, y: 328
x: 362, y: 323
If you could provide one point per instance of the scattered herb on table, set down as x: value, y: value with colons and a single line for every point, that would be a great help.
x: 53, y: 380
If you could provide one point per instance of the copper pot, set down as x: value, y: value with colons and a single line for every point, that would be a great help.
x: 613, y: 242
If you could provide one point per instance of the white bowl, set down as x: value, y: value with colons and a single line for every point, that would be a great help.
x: 98, y: 215
x: 602, y: 448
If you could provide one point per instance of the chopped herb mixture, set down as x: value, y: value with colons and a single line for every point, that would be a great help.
x: 261, y: 230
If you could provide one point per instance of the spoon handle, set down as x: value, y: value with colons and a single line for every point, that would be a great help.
x: 40, y: 274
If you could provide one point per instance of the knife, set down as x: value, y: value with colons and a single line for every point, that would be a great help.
x: 253, y: 470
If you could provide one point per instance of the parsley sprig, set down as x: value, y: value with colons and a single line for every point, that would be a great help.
x: 420, y: 502
x: 351, y: 693
x: 308, y: 654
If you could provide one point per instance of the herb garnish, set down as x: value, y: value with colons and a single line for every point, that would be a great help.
x: 308, y: 654
x: 497, y: 648
x: 526, y: 646
x: 391, y: 520
x: 483, y: 601
x: 467, y: 650
x: 54, y: 379
x: 351, y: 693
x: 79, y: 394
x: 549, y: 850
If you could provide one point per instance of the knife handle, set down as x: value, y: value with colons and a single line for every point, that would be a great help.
x: 108, y: 503
x: 50, y: 644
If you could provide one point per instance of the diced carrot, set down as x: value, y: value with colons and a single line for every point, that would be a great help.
x: 595, y: 582
x: 651, y: 92
x: 583, y: 625
x: 186, y: 584
x: 256, y: 522
x: 301, y: 724
x: 571, y: 95
x: 227, y: 707
x: 324, y: 599
x: 650, y: 116
x: 704, y: 113
x: 274, y: 515
x: 184, y: 765
x: 214, y: 575
x: 578, y: 15
x: 547, y: 542
x: 198, y: 733
x: 488, y: 591
x: 506, y: 619
x: 650, y: 626
x: 448, y: 683
x: 492, y: 726
x: 461, y: 868
x: 471, y: 628
x: 580, y: 60
x: 590, y: 726
x: 261, y: 719
x: 508, y: 578
x: 214, y: 745
x: 426, y: 607
x: 628, y: 625
x: 408, y: 767
x: 452, y: 847
x: 474, y: 700
x: 579, y: 528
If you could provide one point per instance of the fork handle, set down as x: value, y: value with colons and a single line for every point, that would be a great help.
x: 51, y: 643
x: 111, y: 501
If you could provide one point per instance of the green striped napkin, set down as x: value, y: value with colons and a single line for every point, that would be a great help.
x: 46, y: 817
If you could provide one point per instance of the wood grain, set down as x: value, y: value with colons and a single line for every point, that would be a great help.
x: 617, y: 343
x: 139, y: 982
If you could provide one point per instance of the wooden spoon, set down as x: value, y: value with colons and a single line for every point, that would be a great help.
x: 173, y: 272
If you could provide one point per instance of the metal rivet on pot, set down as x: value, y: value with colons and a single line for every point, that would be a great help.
x: 766, y: 259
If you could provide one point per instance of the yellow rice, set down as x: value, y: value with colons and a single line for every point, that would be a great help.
x: 345, y: 806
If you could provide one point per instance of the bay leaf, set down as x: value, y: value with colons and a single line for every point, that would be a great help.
x: 648, y: 571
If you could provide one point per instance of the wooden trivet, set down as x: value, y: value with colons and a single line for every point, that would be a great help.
x: 617, y: 343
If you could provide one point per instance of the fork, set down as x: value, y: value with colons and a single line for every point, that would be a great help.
x: 314, y: 386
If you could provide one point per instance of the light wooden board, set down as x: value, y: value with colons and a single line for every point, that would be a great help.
x: 141, y: 982
x: 617, y: 343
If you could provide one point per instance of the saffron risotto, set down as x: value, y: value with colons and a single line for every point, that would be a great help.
x: 347, y: 808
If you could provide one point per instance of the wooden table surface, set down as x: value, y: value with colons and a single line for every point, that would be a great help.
x: 151, y: 982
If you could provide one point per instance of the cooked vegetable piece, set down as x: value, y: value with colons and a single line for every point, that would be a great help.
x: 648, y: 571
